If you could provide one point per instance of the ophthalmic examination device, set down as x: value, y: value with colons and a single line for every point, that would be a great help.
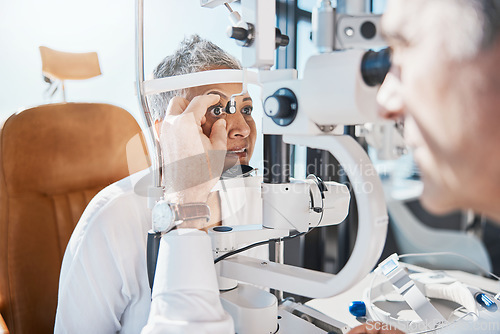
x: 337, y: 89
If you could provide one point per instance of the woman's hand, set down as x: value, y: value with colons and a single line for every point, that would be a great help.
x: 192, y: 161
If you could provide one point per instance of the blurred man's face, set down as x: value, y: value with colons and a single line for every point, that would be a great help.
x: 449, y: 101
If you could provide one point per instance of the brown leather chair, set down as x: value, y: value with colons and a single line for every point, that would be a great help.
x: 3, y: 326
x: 53, y: 159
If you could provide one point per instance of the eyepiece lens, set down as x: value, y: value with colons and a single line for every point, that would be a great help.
x: 375, y: 65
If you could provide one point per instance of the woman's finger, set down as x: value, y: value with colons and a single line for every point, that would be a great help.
x: 176, y: 106
x: 199, y: 105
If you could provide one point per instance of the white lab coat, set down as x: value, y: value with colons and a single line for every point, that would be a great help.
x: 186, y: 297
x: 104, y: 287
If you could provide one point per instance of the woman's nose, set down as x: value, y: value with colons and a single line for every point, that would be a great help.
x: 390, y: 99
x: 237, y: 126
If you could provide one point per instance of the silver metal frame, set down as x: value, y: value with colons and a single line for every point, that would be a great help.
x: 156, y: 155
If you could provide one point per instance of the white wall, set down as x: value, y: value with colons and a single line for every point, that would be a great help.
x: 105, y: 26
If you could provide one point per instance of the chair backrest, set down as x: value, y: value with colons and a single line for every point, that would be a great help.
x: 53, y: 159
x: 69, y: 66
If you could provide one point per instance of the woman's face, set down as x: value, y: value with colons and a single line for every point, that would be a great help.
x: 241, y: 130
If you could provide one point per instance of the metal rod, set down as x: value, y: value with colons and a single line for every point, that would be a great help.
x: 353, y: 7
x: 155, y: 154
x: 228, y: 7
x: 277, y: 164
x: 279, y: 257
x: 277, y: 170
x: 63, y: 91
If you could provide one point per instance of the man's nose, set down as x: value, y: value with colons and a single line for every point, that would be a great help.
x: 390, y: 99
x: 237, y: 126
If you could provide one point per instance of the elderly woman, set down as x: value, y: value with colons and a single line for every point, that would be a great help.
x: 104, y: 286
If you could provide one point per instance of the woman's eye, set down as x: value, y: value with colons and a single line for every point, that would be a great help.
x: 217, y: 110
x: 247, y: 110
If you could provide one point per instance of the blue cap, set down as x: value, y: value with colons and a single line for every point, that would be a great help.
x: 486, y: 302
x: 223, y: 228
x: 357, y: 309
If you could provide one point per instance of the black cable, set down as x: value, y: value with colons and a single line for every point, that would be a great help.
x: 260, y: 243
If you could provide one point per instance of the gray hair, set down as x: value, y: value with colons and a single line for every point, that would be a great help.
x: 477, y: 26
x: 194, y: 54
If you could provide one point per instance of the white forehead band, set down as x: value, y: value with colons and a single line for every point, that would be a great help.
x: 196, y: 79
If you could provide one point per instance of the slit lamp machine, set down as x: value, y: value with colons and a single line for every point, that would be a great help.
x: 338, y: 88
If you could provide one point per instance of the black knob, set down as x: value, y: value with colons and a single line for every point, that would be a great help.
x: 368, y: 30
x: 243, y: 36
x: 281, y: 39
x: 238, y: 33
x: 277, y: 106
x: 281, y: 106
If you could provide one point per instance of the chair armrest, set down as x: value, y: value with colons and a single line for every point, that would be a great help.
x: 3, y: 326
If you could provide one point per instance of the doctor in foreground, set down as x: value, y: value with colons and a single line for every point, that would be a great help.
x: 445, y: 83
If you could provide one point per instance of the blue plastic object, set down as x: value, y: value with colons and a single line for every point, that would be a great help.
x: 486, y: 302
x: 357, y: 308
x: 223, y: 229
